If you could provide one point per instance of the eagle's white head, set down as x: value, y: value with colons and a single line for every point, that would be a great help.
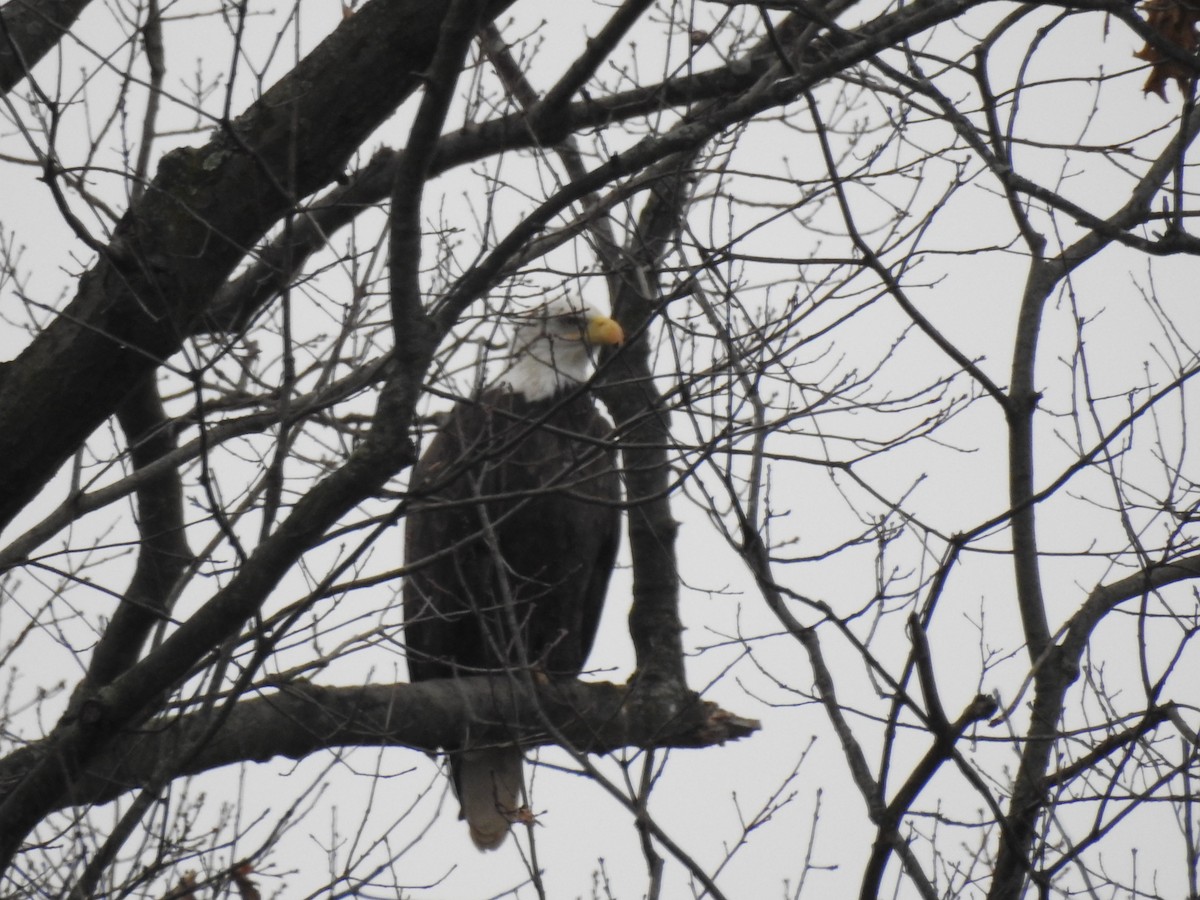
x: 553, y: 345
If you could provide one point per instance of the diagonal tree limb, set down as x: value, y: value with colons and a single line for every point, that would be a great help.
x: 29, y: 29
x: 174, y: 249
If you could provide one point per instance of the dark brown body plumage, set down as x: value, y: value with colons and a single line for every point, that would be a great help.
x: 513, y: 535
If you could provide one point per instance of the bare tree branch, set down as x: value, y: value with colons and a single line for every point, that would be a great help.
x: 300, y: 718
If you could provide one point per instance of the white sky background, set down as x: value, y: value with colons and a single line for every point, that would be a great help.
x: 973, y: 298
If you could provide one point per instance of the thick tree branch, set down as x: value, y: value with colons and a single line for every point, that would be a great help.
x: 163, y: 552
x: 206, y: 206
x: 301, y: 718
x: 29, y: 29
x: 636, y: 403
x: 1106, y: 597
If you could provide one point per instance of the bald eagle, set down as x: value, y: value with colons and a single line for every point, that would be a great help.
x: 512, y: 538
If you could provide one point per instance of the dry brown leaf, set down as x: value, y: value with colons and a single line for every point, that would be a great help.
x: 1175, y: 21
x: 241, y: 880
x: 185, y: 890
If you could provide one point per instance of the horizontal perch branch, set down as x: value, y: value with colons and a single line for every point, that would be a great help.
x: 302, y: 718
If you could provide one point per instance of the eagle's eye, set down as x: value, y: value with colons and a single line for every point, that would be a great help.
x: 572, y: 323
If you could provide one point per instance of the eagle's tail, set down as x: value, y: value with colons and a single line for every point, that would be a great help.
x: 488, y: 784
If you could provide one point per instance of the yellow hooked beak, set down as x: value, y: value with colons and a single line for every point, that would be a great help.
x: 602, y: 331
